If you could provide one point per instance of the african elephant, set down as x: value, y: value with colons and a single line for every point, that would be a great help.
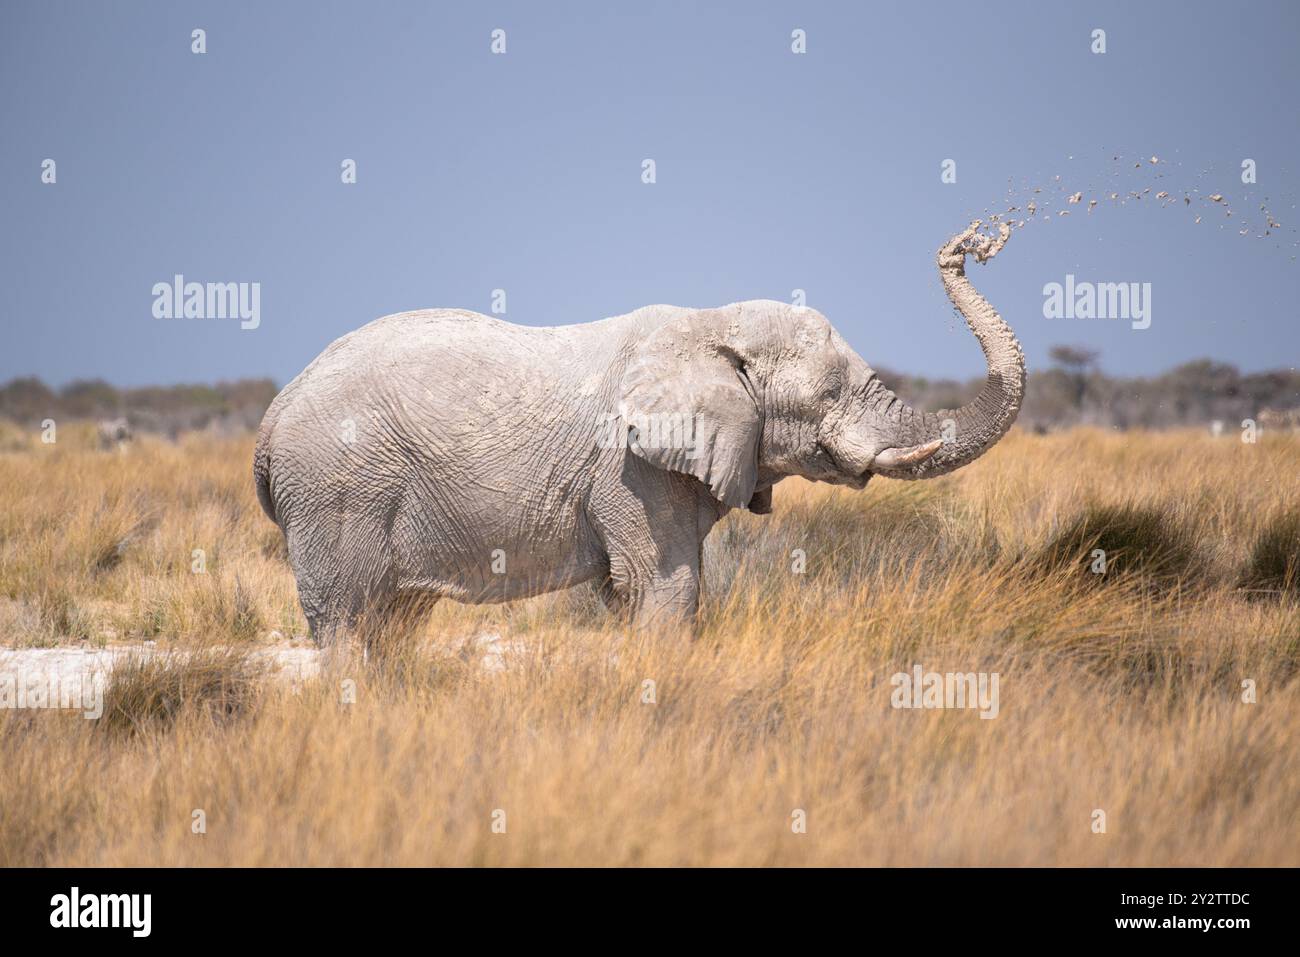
x: 442, y: 453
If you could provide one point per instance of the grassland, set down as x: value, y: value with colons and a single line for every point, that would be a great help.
x: 1120, y: 692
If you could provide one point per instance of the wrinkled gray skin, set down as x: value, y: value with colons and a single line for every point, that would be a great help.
x: 418, y: 453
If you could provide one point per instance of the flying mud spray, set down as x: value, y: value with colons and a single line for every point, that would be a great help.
x: 1132, y: 181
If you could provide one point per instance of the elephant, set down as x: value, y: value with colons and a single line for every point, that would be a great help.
x: 446, y: 454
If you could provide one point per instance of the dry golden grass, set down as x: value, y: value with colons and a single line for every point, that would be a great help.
x: 1121, y: 692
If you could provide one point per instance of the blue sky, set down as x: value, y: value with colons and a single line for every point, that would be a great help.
x: 522, y: 171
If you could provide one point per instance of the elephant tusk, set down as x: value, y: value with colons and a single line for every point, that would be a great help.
x: 902, y: 458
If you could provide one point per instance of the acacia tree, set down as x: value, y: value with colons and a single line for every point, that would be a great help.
x: 1078, y: 362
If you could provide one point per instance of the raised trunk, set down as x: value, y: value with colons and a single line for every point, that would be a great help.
x: 970, y: 431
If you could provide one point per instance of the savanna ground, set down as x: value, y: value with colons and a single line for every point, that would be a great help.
x: 1120, y: 692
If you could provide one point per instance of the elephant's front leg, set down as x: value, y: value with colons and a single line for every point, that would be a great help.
x: 652, y: 525
x: 654, y: 579
x: 669, y: 596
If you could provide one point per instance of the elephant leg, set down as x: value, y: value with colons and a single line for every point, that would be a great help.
x: 341, y: 601
x: 653, y: 528
x: 382, y: 630
x: 325, y: 631
x: 335, y: 637
x: 668, y: 601
x: 344, y: 610
x: 399, y: 620
x: 610, y: 595
x: 663, y: 592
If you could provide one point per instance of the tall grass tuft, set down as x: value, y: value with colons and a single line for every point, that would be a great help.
x: 148, y: 693
x: 1137, y: 541
x: 1274, y: 562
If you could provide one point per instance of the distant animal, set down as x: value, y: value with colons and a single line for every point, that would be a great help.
x: 114, y: 434
x: 443, y: 453
x: 1281, y: 419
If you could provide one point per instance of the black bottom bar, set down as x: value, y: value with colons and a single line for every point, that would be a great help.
x: 339, y: 907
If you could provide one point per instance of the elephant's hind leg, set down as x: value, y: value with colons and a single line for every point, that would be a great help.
x: 399, y: 622
x: 343, y: 600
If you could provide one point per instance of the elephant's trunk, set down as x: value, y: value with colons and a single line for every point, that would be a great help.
x: 968, y: 432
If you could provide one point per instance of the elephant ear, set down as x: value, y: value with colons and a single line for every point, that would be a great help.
x: 690, y: 408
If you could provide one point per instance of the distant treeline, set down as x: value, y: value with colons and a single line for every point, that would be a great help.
x: 1071, y: 391
x: 1074, y: 391
x: 168, y: 410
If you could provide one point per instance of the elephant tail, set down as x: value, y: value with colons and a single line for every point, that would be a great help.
x: 262, y: 466
x: 262, y: 472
